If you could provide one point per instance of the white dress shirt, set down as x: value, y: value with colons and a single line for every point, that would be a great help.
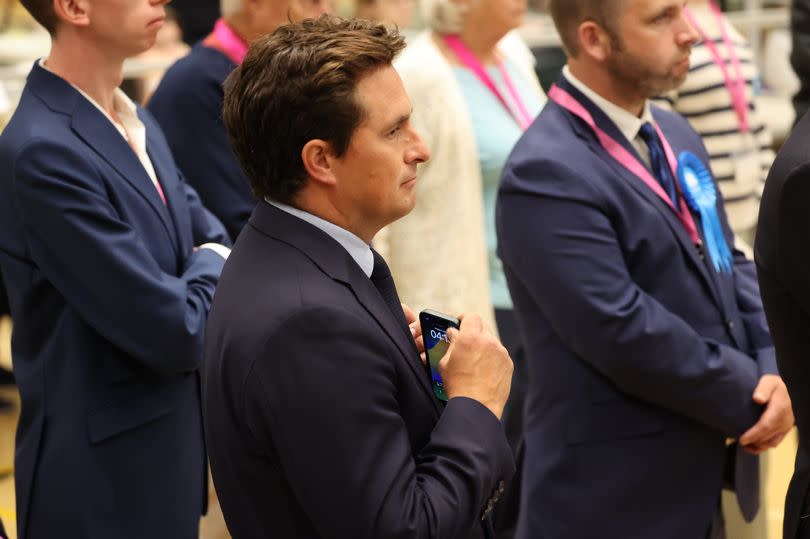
x: 628, y: 123
x: 359, y: 250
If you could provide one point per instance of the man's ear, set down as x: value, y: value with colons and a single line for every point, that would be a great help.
x: 72, y: 12
x: 594, y: 41
x: 318, y: 159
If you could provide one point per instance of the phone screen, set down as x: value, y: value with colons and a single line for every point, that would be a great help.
x: 434, y: 332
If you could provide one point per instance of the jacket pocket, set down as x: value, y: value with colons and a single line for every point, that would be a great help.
x: 123, y: 416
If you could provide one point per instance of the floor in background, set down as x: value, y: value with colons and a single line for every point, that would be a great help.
x: 780, y: 468
x: 8, y: 425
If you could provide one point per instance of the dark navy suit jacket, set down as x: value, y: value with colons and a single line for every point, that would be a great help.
x: 642, y: 360
x: 319, y: 416
x: 188, y: 106
x: 109, y: 300
x: 784, y: 271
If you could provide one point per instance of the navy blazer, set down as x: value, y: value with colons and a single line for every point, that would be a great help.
x: 642, y: 359
x: 109, y: 300
x: 188, y: 106
x: 319, y: 416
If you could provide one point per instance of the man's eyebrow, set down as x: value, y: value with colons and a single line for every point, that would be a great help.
x: 399, y: 121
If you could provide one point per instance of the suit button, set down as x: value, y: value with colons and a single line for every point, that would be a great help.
x: 730, y: 325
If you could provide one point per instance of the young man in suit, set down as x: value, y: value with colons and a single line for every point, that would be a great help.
x: 647, y: 344
x: 319, y: 414
x: 111, y: 263
x: 780, y: 251
x: 188, y: 103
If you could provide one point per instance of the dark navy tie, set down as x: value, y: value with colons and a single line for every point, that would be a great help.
x: 384, y: 282
x: 658, y: 161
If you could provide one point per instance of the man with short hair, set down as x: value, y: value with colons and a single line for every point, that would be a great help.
x: 647, y: 345
x: 319, y: 414
x: 110, y: 262
x: 188, y: 103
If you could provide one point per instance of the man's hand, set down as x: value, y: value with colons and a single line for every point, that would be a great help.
x: 416, y: 331
x: 477, y: 365
x: 777, y: 419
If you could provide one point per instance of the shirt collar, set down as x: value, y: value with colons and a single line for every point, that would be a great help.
x: 628, y: 123
x: 357, y: 248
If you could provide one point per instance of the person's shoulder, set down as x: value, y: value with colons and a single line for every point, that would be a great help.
x: 552, y: 159
x: 550, y: 136
x: 268, y: 281
x: 669, y: 119
x: 201, y: 67
x: 34, y: 124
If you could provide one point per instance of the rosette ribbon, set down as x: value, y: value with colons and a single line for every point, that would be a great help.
x: 701, y: 196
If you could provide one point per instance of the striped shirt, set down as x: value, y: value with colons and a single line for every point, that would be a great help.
x: 706, y: 103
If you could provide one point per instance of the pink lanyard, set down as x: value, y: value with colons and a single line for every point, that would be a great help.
x: 626, y: 159
x: 522, y: 116
x: 736, y: 88
x: 225, y: 40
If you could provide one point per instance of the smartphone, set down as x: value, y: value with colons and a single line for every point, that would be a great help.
x: 434, y: 331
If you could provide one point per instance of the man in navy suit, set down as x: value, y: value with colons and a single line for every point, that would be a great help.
x: 188, y: 103
x: 111, y: 264
x: 647, y: 344
x: 319, y: 414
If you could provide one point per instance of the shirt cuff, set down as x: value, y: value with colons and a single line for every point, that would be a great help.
x: 219, y: 249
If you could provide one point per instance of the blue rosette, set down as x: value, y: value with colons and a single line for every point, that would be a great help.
x: 701, y: 196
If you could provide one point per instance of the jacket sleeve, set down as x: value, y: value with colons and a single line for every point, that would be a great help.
x: 752, y: 312
x: 561, y: 246
x: 101, y: 265
x: 791, y: 235
x: 205, y: 227
x: 332, y: 414
x: 191, y: 119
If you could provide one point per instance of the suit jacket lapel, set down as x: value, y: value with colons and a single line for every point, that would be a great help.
x: 101, y: 135
x: 670, y: 216
x: 167, y: 175
x: 97, y: 131
x: 370, y: 298
x: 333, y: 260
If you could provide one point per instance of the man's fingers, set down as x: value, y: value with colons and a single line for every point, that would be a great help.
x: 472, y: 323
x: 759, y: 448
x: 423, y: 357
x: 776, y: 419
x: 775, y: 440
x: 410, y: 316
x: 420, y: 344
x: 765, y: 388
x: 754, y: 449
x: 762, y: 430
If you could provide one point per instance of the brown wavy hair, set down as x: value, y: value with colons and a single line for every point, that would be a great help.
x: 296, y: 85
x: 569, y: 14
x: 42, y: 11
